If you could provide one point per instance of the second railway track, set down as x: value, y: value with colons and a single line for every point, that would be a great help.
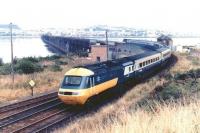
x: 26, y: 103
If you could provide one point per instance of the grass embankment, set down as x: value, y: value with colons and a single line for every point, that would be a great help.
x: 166, y: 102
x: 47, y: 77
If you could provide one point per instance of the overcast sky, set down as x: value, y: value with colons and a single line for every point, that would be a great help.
x: 172, y: 15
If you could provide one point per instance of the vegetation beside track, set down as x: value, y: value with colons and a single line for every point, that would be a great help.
x: 47, y: 73
x: 167, y: 102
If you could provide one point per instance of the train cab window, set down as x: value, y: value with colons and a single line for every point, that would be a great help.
x: 87, y: 83
x: 71, y: 81
x: 90, y: 82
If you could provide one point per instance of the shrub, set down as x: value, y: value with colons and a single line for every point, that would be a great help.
x: 31, y: 59
x: 55, y: 68
x: 5, y: 69
x: 27, y: 67
x: 172, y: 91
x: 53, y: 57
x: 180, y: 76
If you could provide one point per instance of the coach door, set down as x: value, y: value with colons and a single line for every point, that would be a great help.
x: 128, y: 70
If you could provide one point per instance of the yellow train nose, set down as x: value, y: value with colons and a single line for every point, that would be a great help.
x: 72, y: 99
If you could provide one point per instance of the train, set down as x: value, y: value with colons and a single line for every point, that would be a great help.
x: 82, y: 83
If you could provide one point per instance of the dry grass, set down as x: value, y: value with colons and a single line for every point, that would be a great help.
x: 125, y: 116
x: 45, y: 81
x: 182, y: 65
x: 171, y: 118
x: 167, y: 119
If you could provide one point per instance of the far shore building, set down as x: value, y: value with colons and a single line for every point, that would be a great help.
x: 116, y: 50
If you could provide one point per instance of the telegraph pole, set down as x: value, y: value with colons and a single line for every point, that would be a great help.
x: 107, y: 43
x: 12, y: 67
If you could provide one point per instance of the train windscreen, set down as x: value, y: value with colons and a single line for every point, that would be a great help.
x: 71, y: 82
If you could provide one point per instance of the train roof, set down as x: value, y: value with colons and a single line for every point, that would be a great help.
x: 151, y: 45
x: 103, y: 67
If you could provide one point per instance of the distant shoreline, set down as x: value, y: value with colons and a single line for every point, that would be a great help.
x: 96, y: 37
x: 6, y: 37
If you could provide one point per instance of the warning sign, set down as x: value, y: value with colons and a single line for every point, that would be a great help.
x: 32, y: 83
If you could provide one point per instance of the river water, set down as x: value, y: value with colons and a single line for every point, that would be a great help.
x: 22, y: 47
x: 25, y: 47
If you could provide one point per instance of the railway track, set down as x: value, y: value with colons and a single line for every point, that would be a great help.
x: 35, y: 115
x: 25, y: 103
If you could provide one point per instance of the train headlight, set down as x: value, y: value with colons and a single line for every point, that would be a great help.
x: 75, y: 93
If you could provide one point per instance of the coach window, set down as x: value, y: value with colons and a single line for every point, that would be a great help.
x: 133, y: 68
x: 129, y: 69
x: 140, y: 64
x: 143, y: 63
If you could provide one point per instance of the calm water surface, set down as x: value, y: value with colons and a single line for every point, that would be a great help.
x: 23, y: 47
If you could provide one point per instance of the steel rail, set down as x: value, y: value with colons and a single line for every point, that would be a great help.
x: 23, y: 108
x: 28, y: 112
x: 26, y: 102
x: 63, y: 119
x: 40, y: 120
